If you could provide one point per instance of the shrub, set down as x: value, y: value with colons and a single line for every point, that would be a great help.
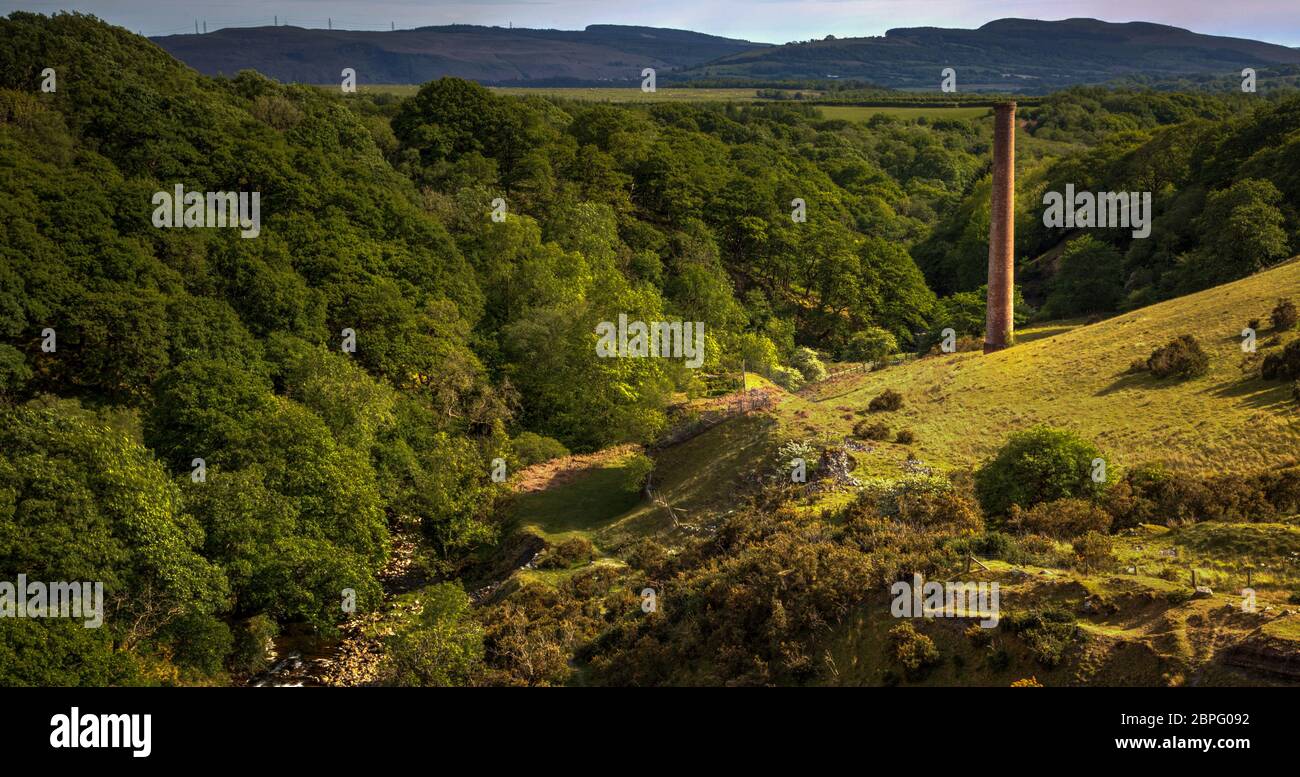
x: 886, y: 400
x: 252, y: 644
x: 14, y: 372
x: 978, y: 635
x: 1061, y: 518
x: 1027, y: 682
x: 809, y: 365
x: 914, y: 651
x: 1182, y: 357
x: 996, y: 544
x: 1037, y: 465
x: 1094, y: 550
x: 888, y: 497
x: 1284, y: 316
x: 998, y: 659
x: 872, y: 344
x: 1048, y: 632
x: 786, y: 377
x: 532, y: 448
x: 442, y: 647
x: 869, y: 430
x: 636, y: 470
x: 1284, y: 365
x: 904, y: 437
x: 565, y: 554
x: 940, y: 509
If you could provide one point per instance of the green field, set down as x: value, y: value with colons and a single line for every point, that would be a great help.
x: 595, y: 94
x: 962, y: 406
x: 686, y: 94
x: 864, y: 112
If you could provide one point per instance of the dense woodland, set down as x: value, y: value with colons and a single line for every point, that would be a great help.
x: 475, y: 337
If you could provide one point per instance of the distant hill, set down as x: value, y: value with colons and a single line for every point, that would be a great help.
x: 1007, y: 54
x: 490, y: 55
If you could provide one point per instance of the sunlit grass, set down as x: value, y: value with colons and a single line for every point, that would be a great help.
x: 961, y: 407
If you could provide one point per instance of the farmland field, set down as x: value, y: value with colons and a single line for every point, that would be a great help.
x: 864, y: 112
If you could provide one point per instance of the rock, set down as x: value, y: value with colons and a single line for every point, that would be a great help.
x: 1202, y: 592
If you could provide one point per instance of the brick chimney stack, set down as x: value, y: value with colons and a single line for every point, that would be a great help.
x: 1002, y: 229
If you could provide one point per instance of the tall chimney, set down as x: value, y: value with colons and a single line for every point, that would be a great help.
x: 1002, y: 229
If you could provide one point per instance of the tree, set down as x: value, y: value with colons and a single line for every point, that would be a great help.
x: 1094, y: 551
x: 1242, y: 231
x: 1089, y: 279
x: 443, y: 647
x: 1037, y: 465
x: 80, y: 502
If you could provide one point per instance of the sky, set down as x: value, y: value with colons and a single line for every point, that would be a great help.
x: 769, y: 21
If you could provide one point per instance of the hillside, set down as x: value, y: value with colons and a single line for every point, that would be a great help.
x: 1006, y: 54
x: 490, y: 55
x: 1135, y: 622
x: 961, y: 406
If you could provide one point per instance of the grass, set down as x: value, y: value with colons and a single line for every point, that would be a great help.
x: 594, y: 94
x: 962, y: 406
x: 581, y: 507
x: 864, y: 112
x: 697, y: 478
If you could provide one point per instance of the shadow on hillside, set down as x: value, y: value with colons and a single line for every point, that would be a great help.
x: 1255, y: 392
x: 1135, y: 380
x: 1039, y: 334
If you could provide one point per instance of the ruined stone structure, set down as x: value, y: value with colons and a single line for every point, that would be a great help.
x: 1002, y: 230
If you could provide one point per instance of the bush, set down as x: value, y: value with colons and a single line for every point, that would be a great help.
x: 996, y: 544
x: 252, y: 644
x: 978, y: 635
x: 904, y: 437
x: 1182, y: 357
x: 1284, y: 365
x: 442, y: 647
x: 809, y: 365
x: 1027, y: 682
x: 1284, y: 316
x: 998, y: 659
x: 886, y: 400
x: 532, y: 448
x: 1094, y: 551
x: 1048, y: 633
x: 14, y: 372
x: 869, y: 430
x: 1038, y: 465
x: 636, y: 470
x: 786, y: 377
x: 1061, y: 518
x: 565, y: 554
x: 872, y: 344
x: 914, y: 651
x: 940, y: 509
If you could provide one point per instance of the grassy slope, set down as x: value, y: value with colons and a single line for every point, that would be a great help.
x: 961, y: 406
